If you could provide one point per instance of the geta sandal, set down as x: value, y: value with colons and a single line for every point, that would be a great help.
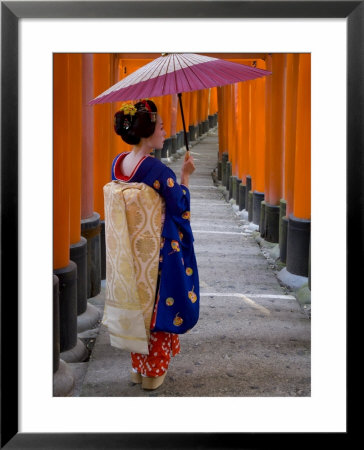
x: 153, y: 382
x: 135, y: 377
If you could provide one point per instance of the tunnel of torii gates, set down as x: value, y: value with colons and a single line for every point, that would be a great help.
x: 264, y: 132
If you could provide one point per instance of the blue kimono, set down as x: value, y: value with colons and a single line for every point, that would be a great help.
x: 178, y: 296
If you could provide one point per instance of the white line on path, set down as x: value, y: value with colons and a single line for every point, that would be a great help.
x: 208, y: 204
x: 236, y: 294
x: 202, y: 187
x: 217, y: 232
x: 282, y: 297
x: 248, y: 300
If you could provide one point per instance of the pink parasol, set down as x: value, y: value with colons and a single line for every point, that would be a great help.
x: 175, y: 73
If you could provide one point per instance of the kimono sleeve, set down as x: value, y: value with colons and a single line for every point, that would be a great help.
x: 176, y: 196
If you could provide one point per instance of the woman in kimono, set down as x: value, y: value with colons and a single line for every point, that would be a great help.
x: 141, y: 126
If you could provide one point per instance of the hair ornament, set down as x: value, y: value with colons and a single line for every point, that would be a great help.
x: 146, y: 105
x: 126, y: 123
x: 146, y: 108
x: 128, y: 109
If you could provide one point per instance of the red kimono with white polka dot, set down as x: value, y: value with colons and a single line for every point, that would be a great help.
x: 161, y: 346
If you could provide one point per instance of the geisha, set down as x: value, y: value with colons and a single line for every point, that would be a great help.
x: 176, y: 307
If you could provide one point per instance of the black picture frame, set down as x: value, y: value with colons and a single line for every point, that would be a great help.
x: 11, y: 12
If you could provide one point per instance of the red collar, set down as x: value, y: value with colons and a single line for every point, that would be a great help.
x: 117, y: 171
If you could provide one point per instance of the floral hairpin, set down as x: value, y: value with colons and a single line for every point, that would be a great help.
x: 128, y: 109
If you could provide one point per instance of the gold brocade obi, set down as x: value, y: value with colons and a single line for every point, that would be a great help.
x: 133, y: 224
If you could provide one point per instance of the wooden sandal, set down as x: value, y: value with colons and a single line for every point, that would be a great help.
x: 135, y: 377
x: 153, y: 382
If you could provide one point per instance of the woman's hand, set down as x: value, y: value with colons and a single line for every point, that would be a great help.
x: 187, y: 169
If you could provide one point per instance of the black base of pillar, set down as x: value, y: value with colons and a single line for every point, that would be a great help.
x: 224, y: 159
x: 228, y: 174
x: 271, y: 223
x: 67, y: 277
x: 282, y: 230
x: 211, y: 120
x: 282, y: 213
x: 242, y: 189
x: 103, y: 250
x: 262, y: 219
x: 166, y: 150
x: 90, y: 229
x: 247, y: 190
x: 231, y: 186
x: 56, y: 332
x: 309, y: 266
x: 298, y: 243
x: 179, y: 139
x: 219, y: 170
x: 181, y: 142
x: 193, y: 130
x: 78, y: 254
x: 189, y: 139
x: 250, y: 206
x: 258, y: 197
x: 200, y: 129
x: 173, y: 145
x: 197, y: 132
x: 283, y: 240
x: 232, y: 189
x: 237, y: 190
x: 205, y: 126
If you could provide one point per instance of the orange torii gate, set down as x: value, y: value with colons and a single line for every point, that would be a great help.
x: 263, y: 161
x: 85, y: 145
x: 264, y: 152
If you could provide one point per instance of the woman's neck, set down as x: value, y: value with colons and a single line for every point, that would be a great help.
x: 141, y: 150
x: 132, y: 159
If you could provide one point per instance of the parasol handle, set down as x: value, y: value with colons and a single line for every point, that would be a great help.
x: 183, y: 120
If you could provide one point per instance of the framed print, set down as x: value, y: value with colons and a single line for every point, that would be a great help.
x: 58, y: 19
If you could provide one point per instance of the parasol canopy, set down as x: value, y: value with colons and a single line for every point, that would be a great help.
x: 176, y: 73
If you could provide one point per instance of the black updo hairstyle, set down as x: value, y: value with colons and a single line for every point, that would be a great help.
x: 132, y: 128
